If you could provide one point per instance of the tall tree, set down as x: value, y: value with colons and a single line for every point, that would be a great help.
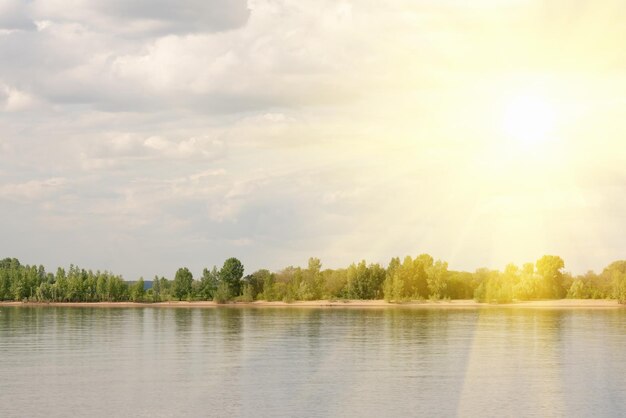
x: 437, y: 280
x: 549, y: 268
x: 182, y: 283
x: 616, y: 273
x: 388, y: 285
x: 365, y: 282
x: 421, y: 273
x: 231, y: 274
x: 102, y: 287
x: 137, y: 291
x: 257, y: 282
x: 156, y: 289
x: 208, y: 283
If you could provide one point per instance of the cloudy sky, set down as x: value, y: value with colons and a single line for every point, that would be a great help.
x: 143, y: 136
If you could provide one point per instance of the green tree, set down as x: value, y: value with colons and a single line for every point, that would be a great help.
x: 9, y: 274
x: 247, y: 294
x: 598, y: 286
x: 398, y: 289
x: 60, y: 289
x: 335, y: 283
x: 44, y: 293
x: 137, y: 291
x: 616, y: 272
x: 312, y: 285
x: 231, y: 274
x: 75, y: 284
x: 90, y: 286
x: 222, y: 293
x: 156, y: 289
x: 437, y: 280
x: 460, y: 285
x: 166, y: 290
x: 365, y: 282
x: 549, y: 269
x: 208, y: 283
x: 102, y: 287
x: 388, y: 284
x: 498, y: 287
x: 182, y: 283
x: 421, y: 275
x: 528, y: 285
x: 484, y: 279
x: 578, y: 290
x: 5, y: 284
x: 117, y: 289
x: 257, y: 282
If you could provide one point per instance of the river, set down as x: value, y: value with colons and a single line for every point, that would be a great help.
x: 327, y: 362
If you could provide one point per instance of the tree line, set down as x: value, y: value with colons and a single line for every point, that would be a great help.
x: 417, y: 278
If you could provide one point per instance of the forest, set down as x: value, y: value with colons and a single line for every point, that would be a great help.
x: 410, y: 279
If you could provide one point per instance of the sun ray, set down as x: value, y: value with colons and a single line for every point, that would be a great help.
x: 529, y: 119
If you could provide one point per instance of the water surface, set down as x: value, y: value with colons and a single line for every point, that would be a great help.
x: 266, y: 362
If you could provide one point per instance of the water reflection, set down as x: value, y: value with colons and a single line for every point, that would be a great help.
x: 317, y: 362
x: 522, y: 347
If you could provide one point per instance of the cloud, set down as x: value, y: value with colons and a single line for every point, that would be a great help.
x: 13, y: 100
x: 195, y: 147
x: 143, y: 17
x: 123, y: 149
x: 14, y: 15
x: 274, y: 130
x: 271, y: 61
x: 169, y: 16
x: 32, y: 190
x: 241, y: 242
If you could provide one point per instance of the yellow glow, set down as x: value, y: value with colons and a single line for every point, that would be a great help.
x: 529, y: 118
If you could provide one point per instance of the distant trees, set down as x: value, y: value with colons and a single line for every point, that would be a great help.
x: 19, y: 282
x: 528, y: 284
x: 544, y: 280
x: 461, y: 285
x: 310, y: 281
x: 616, y: 273
x: 258, y: 281
x: 182, y: 283
x: 416, y: 278
x: 437, y: 280
x: 493, y: 286
x: 365, y: 282
x: 549, y: 268
x: 156, y: 289
x: 208, y: 284
x: 335, y: 283
x: 231, y: 274
x: 137, y: 291
x: 267, y: 281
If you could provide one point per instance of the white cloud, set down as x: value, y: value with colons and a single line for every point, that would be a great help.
x: 242, y: 242
x: 196, y: 177
x: 14, y: 100
x: 125, y: 149
x: 280, y: 129
x: 145, y: 17
x: 33, y: 189
x: 14, y: 15
x: 195, y: 147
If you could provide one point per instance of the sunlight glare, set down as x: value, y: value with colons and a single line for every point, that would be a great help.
x: 529, y: 119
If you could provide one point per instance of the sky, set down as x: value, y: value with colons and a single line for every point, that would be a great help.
x: 140, y: 137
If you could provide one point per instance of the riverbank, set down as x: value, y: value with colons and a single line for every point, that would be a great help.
x: 452, y: 304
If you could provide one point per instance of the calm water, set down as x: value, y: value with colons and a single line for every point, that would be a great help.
x: 160, y: 362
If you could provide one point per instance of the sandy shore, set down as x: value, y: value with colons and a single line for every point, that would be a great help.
x: 552, y: 304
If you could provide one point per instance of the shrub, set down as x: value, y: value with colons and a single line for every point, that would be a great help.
x: 222, y: 293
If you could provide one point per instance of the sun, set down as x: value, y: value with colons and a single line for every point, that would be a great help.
x: 529, y: 119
